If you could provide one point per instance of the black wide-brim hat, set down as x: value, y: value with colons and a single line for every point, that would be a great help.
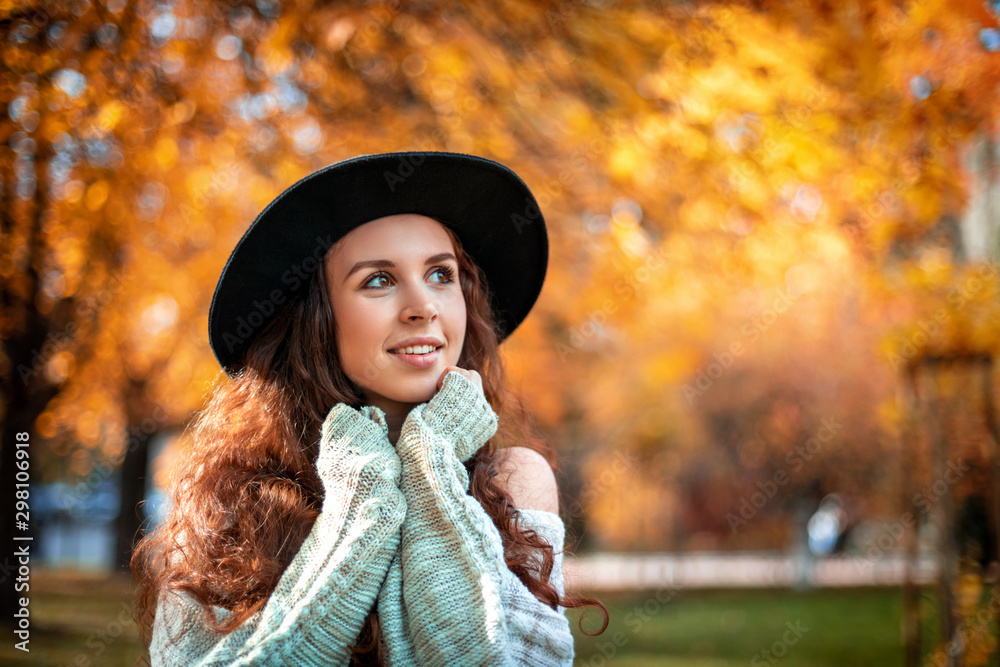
x: 487, y: 205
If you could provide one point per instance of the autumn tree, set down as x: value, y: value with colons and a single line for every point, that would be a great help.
x: 752, y: 210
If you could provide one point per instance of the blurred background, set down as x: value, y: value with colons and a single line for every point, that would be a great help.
x: 763, y: 354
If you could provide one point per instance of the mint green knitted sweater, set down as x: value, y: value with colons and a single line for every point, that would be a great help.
x: 398, y: 531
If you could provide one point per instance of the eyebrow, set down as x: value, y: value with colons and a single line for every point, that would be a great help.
x: 387, y: 264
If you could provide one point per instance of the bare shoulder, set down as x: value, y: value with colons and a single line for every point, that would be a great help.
x: 528, y: 479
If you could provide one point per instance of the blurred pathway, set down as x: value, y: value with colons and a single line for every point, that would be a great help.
x: 593, y: 572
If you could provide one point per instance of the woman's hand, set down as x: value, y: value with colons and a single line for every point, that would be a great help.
x: 458, y: 413
x: 471, y: 375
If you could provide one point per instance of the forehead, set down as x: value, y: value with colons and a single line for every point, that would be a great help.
x: 396, y: 237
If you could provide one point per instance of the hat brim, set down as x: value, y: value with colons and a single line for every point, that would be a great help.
x: 487, y: 205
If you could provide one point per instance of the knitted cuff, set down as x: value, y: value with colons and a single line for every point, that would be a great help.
x: 363, y: 432
x: 460, y: 413
x: 376, y: 414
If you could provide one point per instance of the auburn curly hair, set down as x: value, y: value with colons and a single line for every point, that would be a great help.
x: 248, y: 493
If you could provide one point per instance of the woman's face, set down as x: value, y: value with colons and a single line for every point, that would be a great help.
x: 390, y: 281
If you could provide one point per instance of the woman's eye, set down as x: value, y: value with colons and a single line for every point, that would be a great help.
x: 378, y: 277
x: 446, y: 273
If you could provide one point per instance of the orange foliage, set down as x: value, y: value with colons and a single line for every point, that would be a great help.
x: 741, y: 204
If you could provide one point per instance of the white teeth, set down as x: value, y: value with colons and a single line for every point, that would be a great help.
x: 416, y: 349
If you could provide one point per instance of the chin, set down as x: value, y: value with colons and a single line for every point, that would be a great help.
x: 421, y: 394
x: 412, y: 392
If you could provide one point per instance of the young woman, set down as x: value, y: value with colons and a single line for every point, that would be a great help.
x: 366, y: 490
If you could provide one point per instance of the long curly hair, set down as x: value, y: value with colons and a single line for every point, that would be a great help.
x: 248, y: 493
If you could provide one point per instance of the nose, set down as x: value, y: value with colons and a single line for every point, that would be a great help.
x: 420, y: 309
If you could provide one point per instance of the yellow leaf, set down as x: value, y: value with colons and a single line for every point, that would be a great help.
x: 110, y: 115
x: 626, y: 159
x: 166, y: 152
x: 97, y: 194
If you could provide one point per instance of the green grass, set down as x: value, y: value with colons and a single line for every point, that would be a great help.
x: 77, y: 620
x: 80, y: 620
x: 724, y: 628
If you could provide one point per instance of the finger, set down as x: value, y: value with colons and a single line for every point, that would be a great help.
x: 473, y: 376
x: 476, y: 379
x: 447, y: 370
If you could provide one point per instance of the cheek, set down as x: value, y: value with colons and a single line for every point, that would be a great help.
x: 361, y: 327
x: 353, y: 330
x: 359, y: 344
x: 457, y: 318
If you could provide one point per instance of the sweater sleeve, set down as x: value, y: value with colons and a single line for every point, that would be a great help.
x: 550, y: 528
x: 316, y: 611
x: 462, y: 603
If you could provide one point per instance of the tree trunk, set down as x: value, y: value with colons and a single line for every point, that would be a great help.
x: 937, y: 413
x: 993, y: 428
x: 911, y: 591
x: 128, y: 527
x: 144, y: 422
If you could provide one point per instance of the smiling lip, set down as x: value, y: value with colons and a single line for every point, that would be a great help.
x: 422, y: 340
x: 419, y: 360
